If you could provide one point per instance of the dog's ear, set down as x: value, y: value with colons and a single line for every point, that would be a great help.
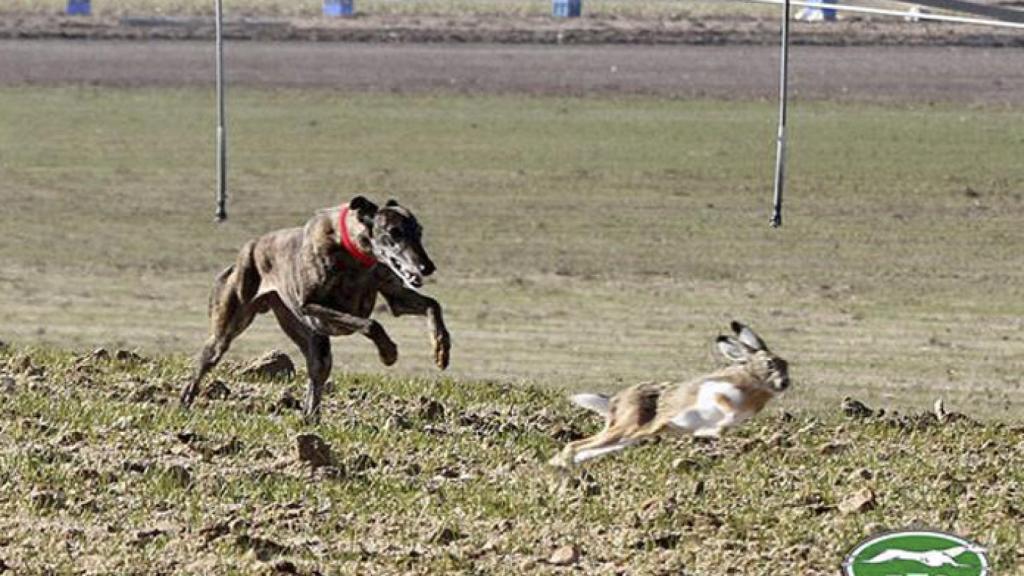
x: 365, y: 210
x: 391, y: 202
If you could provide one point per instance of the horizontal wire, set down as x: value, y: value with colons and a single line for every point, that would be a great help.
x: 899, y: 13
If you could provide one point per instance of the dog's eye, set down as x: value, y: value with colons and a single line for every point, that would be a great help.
x: 395, y: 233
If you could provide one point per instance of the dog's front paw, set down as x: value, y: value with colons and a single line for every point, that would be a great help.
x: 388, y: 352
x: 442, y: 349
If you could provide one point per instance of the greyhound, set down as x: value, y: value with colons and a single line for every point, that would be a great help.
x: 322, y: 280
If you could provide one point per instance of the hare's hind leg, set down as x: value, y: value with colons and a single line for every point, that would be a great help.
x: 611, y: 439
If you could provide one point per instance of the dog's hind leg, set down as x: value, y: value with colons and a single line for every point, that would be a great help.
x: 229, y: 317
x: 317, y: 350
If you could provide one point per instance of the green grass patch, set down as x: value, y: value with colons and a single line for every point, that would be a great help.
x: 97, y: 477
x: 581, y: 242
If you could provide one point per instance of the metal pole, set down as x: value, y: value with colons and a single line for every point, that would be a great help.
x: 780, y: 149
x: 222, y: 156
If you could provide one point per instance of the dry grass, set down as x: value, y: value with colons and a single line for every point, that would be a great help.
x: 581, y: 243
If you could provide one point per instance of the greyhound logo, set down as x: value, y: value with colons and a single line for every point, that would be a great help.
x: 918, y: 553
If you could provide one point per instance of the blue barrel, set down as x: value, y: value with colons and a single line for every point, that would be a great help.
x: 79, y: 7
x: 566, y: 8
x: 335, y: 8
x: 829, y: 13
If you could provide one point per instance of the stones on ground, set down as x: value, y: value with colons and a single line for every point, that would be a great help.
x: 856, y: 408
x: 860, y: 501
x: 565, y: 556
x: 272, y: 365
x: 217, y: 390
x: 313, y: 450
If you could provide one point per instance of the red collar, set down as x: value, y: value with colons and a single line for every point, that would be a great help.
x: 367, y: 260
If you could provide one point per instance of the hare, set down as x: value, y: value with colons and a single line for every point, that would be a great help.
x: 702, y: 407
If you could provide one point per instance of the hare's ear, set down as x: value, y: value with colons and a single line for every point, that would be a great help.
x: 732, y: 349
x: 365, y: 210
x: 748, y: 337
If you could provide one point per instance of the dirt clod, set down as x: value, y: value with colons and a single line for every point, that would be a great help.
x: 444, y: 535
x: 47, y: 499
x: 285, y: 567
x: 361, y: 463
x: 272, y: 365
x: 217, y: 390
x: 860, y: 501
x: 856, y: 408
x: 313, y: 450
x: 430, y: 409
x: 180, y: 475
x: 264, y: 548
x: 143, y: 393
x: 128, y: 356
x: 288, y: 401
x: 565, y: 556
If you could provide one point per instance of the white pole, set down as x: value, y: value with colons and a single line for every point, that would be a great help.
x: 780, y: 148
x: 222, y: 157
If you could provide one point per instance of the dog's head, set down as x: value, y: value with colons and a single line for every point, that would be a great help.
x: 396, y: 239
x: 748, y: 349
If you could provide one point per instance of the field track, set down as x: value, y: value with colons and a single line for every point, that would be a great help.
x: 875, y: 74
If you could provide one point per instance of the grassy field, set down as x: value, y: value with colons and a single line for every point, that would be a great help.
x: 582, y: 243
x: 102, y: 474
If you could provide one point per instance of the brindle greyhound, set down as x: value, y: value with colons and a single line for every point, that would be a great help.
x: 322, y: 280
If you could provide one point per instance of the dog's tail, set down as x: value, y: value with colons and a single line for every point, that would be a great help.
x: 595, y: 402
x: 248, y: 282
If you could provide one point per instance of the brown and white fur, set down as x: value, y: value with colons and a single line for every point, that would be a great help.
x: 318, y: 288
x: 702, y: 407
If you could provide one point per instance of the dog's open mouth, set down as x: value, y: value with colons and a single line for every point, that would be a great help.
x: 410, y: 278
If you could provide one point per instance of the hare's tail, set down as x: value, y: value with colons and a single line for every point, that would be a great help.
x: 594, y: 402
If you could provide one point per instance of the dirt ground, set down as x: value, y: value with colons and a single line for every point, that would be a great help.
x: 877, y: 73
x: 508, y: 29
